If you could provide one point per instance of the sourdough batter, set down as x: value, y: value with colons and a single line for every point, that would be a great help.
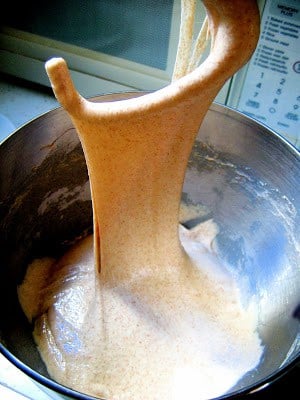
x: 167, y: 336
x: 139, y: 311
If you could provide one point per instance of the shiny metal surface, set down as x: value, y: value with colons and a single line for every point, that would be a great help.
x: 242, y: 174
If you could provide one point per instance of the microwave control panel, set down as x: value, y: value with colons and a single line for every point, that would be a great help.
x: 271, y: 90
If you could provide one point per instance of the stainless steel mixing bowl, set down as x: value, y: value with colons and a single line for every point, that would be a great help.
x: 242, y: 174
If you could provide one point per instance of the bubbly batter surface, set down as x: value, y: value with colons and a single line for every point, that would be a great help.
x: 170, y: 336
x: 143, y: 309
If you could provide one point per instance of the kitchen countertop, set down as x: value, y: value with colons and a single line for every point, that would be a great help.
x: 21, y: 102
x: 15, y: 107
x: 15, y: 385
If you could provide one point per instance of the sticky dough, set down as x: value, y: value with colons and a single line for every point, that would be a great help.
x: 143, y: 309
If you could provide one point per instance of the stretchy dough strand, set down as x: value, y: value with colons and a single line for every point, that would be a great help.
x: 186, y: 31
x: 151, y: 137
x: 199, y: 47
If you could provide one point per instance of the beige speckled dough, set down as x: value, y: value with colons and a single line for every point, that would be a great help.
x: 163, y: 336
x: 135, y: 316
x: 150, y: 138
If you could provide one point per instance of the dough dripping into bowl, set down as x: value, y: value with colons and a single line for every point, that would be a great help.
x: 144, y: 308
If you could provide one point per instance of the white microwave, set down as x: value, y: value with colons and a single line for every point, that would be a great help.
x: 121, y: 45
